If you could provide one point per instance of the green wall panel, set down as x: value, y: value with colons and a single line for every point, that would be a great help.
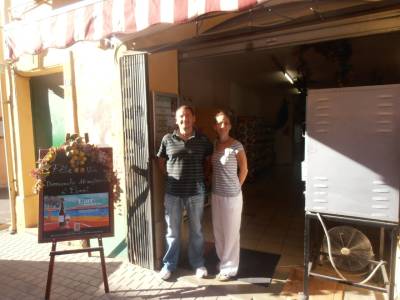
x: 49, y: 110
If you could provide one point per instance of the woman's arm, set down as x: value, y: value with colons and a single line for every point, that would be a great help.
x: 242, y: 164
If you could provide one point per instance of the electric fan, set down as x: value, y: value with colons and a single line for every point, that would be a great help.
x: 351, y: 250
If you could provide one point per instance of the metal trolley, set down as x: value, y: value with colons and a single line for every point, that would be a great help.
x: 352, y: 177
x: 388, y: 279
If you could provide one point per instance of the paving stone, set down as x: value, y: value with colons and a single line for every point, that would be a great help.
x: 61, y: 290
x: 86, y: 297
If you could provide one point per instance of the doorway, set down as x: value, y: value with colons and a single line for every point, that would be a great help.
x: 266, y: 91
x: 49, y: 110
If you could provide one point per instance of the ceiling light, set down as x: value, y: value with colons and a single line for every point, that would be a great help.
x: 290, y: 79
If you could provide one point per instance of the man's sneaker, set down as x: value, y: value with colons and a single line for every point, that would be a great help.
x: 164, y: 274
x: 201, y: 272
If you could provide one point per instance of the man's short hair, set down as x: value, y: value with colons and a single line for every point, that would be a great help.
x: 184, y: 107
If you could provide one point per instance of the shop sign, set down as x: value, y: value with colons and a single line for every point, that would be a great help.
x: 76, y: 189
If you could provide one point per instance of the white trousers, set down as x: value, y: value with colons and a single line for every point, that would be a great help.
x: 226, y: 218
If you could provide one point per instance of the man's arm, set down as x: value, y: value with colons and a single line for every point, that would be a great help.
x: 162, y: 156
x: 162, y: 165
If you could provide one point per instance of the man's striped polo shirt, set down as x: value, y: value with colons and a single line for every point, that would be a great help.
x: 185, y: 163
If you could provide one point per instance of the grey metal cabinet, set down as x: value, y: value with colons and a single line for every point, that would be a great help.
x: 352, y: 160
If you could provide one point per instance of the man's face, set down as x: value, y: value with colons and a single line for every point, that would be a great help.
x: 184, y: 119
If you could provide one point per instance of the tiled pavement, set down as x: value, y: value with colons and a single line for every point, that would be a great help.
x: 24, y: 266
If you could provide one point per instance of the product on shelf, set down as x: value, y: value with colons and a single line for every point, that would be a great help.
x: 257, y: 137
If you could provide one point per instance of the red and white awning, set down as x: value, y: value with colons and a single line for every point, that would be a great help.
x: 94, y: 20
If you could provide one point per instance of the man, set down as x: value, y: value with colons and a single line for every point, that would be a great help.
x: 184, y: 157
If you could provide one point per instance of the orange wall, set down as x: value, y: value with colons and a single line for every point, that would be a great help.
x: 163, y: 72
x: 3, y: 173
x: 99, y: 107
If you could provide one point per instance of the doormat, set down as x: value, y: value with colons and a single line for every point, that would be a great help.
x: 255, y: 267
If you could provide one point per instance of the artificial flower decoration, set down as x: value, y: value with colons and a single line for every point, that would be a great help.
x: 76, y: 155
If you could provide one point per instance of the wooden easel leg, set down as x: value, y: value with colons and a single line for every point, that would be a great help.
x: 88, y: 246
x: 103, y: 266
x: 50, y: 272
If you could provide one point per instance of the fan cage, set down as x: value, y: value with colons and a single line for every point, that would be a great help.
x: 351, y: 249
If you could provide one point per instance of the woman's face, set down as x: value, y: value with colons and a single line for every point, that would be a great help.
x: 222, y: 125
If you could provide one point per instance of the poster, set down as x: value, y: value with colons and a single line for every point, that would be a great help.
x: 164, y: 106
x: 73, y: 212
x: 76, y: 204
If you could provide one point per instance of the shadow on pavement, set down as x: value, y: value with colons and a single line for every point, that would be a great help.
x: 201, y: 291
x: 25, y: 279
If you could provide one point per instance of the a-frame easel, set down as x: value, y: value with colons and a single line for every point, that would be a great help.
x: 54, y: 252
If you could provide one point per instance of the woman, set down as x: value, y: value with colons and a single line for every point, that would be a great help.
x: 227, y: 201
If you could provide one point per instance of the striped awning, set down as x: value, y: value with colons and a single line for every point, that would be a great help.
x: 94, y: 20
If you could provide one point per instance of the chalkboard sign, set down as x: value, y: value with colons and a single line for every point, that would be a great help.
x: 75, y: 196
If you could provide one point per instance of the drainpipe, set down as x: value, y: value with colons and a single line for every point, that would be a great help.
x: 8, y: 128
x: 6, y: 109
x: 69, y: 82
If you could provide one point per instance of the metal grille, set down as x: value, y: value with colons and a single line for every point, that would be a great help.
x: 134, y: 86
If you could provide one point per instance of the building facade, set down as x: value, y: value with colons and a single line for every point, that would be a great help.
x: 81, y: 78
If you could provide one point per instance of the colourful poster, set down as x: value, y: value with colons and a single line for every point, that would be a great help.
x: 77, y: 212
